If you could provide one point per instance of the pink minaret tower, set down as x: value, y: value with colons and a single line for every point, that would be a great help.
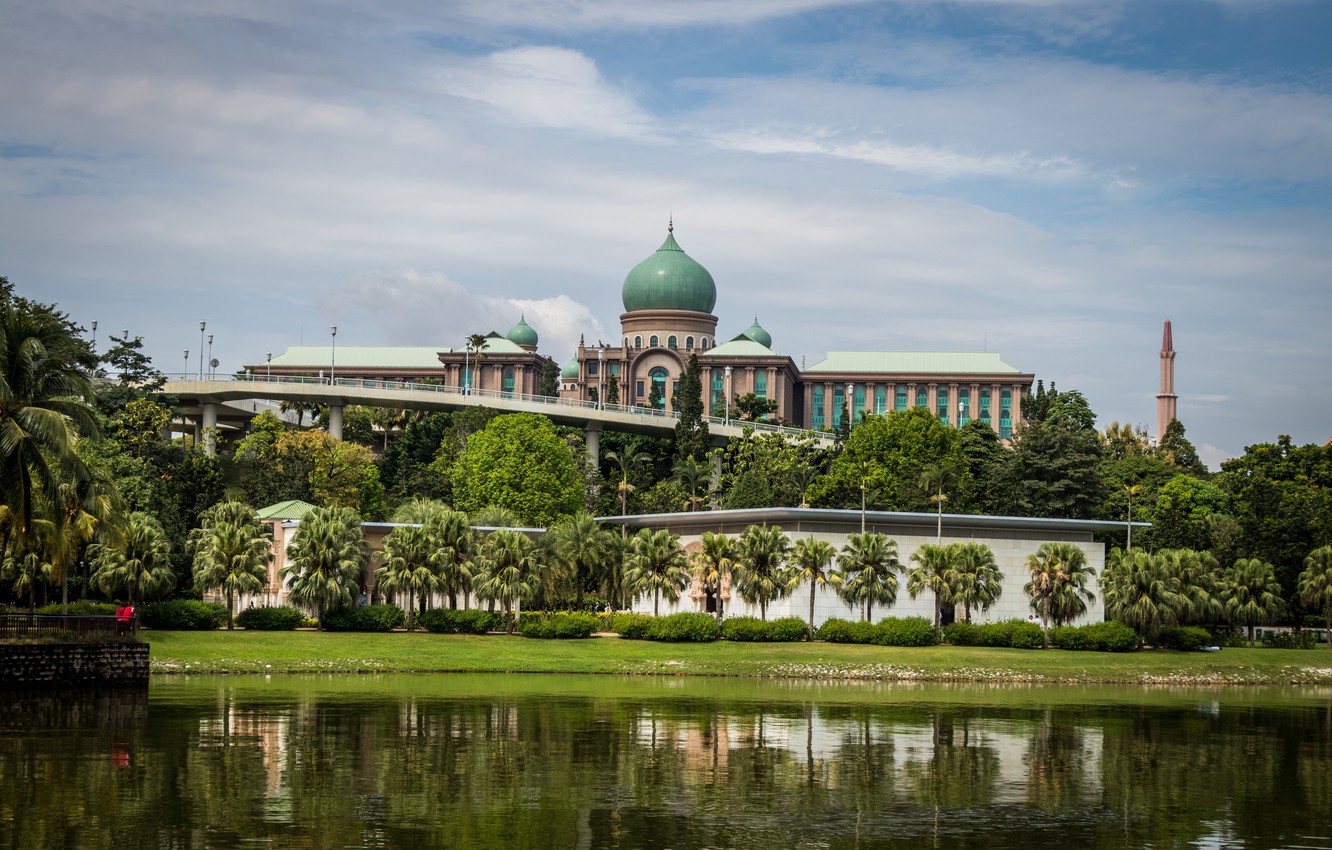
x: 1165, y: 399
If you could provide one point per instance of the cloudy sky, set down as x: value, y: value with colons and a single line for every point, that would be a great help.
x: 1049, y: 179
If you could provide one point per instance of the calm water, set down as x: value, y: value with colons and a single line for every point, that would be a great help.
x: 555, y: 761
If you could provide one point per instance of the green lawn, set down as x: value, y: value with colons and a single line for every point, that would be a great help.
x: 313, y: 652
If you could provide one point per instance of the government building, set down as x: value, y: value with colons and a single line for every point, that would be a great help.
x: 668, y: 315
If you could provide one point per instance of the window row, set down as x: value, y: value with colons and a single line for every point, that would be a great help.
x: 672, y: 342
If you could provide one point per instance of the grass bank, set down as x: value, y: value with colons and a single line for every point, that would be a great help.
x: 324, y: 652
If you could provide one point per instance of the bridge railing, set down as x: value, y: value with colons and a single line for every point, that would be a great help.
x: 474, y: 392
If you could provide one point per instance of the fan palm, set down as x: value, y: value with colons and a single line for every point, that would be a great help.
x: 455, y: 544
x: 137, y: 562
x: 716, y: 560
x: 810, y: 561
x: 692, y: 473
x: 974, y: 577
x: 1058, y: 586
x: 325, y: 560
x: 1141, y: 593
x: 410, y: 566
x: 1195, y: 575
x: 235, y: 557
x: 931, y: 573
x: 870, y: 566
x: 1315, y: 586
x: 935, y: 478
x: 510, y: 571
x: 584, y: 548
x: 656, y: 563
x: 762, y: 573
x: 1251, y: 595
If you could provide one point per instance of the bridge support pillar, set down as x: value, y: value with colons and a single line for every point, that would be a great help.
x: 210, y: 429
x: 592, y: 438
x: 335, y: 421
x: 716, y: 476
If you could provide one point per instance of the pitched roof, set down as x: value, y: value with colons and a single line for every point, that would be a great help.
x: 741, y: 346
x: 290, y: 509
x: 915, y: 362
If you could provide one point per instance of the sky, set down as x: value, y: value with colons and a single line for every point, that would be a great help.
x: 1048, y: 179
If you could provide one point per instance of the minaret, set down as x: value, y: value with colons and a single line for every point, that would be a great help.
x: 1165, y: 399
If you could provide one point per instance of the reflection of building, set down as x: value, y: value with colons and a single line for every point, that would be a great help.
x: 668, y: 301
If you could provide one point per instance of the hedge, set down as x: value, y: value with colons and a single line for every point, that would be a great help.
x: 837, y: 630
x: 1289, y: 640
x: 687, y: 627
x: 1110, y: 636
x: 891, y: 631
x: 81, y: 608
x: 561, y: 625
x: 1018, y: 634
x: 457, y: 622
x: 367, y: 618
x: 184, y: 615
x: 1187, y: 638
x: 632, y: 626
x: 281, y: 618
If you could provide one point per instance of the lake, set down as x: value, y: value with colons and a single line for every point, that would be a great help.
x: 534, y: 761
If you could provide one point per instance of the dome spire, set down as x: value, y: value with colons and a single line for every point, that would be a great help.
x: 670, y: 223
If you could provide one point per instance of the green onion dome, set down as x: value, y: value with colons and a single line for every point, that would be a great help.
x: 570, y: 370
x: 758, y: 334
x: 670, y: 279
x: 522, y: 333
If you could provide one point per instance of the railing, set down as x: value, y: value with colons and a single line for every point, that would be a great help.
x: 472, y: 392
x: 79, y: 626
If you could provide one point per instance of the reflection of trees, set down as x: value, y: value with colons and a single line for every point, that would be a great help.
x: 959, y: 774
x: 1056, y: 763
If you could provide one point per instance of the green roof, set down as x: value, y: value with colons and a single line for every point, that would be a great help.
x: 758, y: 334
x: 741, y: 346
x: 291, y: 509
x: 359, y: 356
x: 522, y: 333
x: 670, y: 279
x: 914, y: 362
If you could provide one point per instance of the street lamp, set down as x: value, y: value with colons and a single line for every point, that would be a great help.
x: 601, y: 377
x: 467, y: 366
x: 187, y: 364
x: 728, y: 394
x: 202, y: 325
x: 210, y: 356
x: 268, y: 375
x: 94, y: 339
x: 333, y: 360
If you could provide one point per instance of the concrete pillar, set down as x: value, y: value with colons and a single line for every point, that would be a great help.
x: 952, y: 405
x: 210, y: 429
x: 592, y: 438
x: 335, y: 421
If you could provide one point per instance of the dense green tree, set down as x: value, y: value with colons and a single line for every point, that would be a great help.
x: 787, y: 466
x: 232, y: 555
x: 1179, y: 517
x: 896, y: 448
x: 405, y: 468
x: 1251, y: 595
x: 811, y: 560
x: 1145, y: 472
x: 980, y: 469
x: 930, y: 573
x: 749, y: 490
x: 1175, y: 449
x: 655, y: 563
x: 136, y: 561
x: 761, y: 577
x: 973, y: 577
x: 411, y: 566
x: 1053, y: 471
x: 1316, y: 586
x: 132, y: 373
x: 751, y: 407
x: 519, y: 460
x: 326, y: 560
x: 869, y: 566
x: 1140, y: 593
x: 1125, y: 441
x: 510, y: 571
x: 691, y: 432
x: 1058, y: 587
x: 548, y: 384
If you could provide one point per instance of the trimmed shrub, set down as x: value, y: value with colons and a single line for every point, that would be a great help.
x: 962, y: 633
x: 678, y: 628
x: 1023, y: 635
x: 184, y: 615
x: 1068, y: 637
x: 451, y: 621
x: 1289, y: 640
x: 1226, y: 635
x: 837, y: 630
x: 1186, y: 638
x: 904, y: 631
x: 1110, y: 636
x: 632, y: 626
x: 561, y: 625
x: 787, y: 629
x: 367, y: 618
x: 281, y: 618
x: 744, y: 629
x: 81, y: 608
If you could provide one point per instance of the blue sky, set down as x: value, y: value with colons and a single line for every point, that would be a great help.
x: 1050, y: 179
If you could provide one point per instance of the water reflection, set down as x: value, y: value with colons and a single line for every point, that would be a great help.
x: 472, y: 761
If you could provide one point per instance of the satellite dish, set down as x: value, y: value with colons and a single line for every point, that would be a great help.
x: 213, y: 362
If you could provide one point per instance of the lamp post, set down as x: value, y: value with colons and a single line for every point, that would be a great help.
x: 601, y: 377
x: 333, y: 358
x: 202, y: 326
x: 268, y: 374
x: 211, y: 370
x: 94, y: 339
x: 728, y: 394
x: 467, y: 366
x: 187, y: 364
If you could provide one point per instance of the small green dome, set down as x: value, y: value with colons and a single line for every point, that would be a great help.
x: 522, y: 333
x: 670, y: 279
x: 758, y: 334
x: 570, y: 370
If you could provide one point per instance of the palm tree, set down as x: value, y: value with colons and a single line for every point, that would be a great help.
x: 44, y: 394
x: 86, y: 508
x: 410, y: 565
x: 869, y: 563
x: 716, y: 560
x: 935, y: 478
x: 1315, y: 586
x: 1140, y: 592
x: 1195, y: 575
x: 234, y: 557
x: 584, y: 548
x: 325, y: 560
x: 1058, y: 586
x: 455, y: 544
x: 476, y: 345
x: 1251, y: 595
x: 1131, y: 492
x: 496, y: 516
x: 762, y: 574
x: 692, y: 473
x: 810, y: 560
x: 931, y: 572
x: 802, y: 477
x: 26, y: 567
x: 510, y: 571
x: 626, y: 462
x: 656, y: 562
x: 974, y: 576
x: 138, y: 562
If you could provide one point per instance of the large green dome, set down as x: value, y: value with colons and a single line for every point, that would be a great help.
x: 570, y: 370
x: 670, y: 279
x: 522, y: 333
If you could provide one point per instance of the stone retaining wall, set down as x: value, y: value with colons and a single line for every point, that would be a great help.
x: 74, y: 664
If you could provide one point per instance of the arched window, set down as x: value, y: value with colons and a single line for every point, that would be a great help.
x: 638, y: 342
x: 761, y: 383
x: 704, y: 346
x: 922, y: 396
x: 658, y: 376
x: 1005, y: 414
x: 881, y: 399
x: 718, y: 391
x: 653, y: 342
x: 626, y: 342
x: 816, y: 421
x: 985, y: 405
x: 859, y: 403
x: 900, y: 398
x: 508, y: 381
x: 672, y: 343
x: 689, y: 343
x: 839, y: 401
x: 941, y: 404
x: 963, y: 406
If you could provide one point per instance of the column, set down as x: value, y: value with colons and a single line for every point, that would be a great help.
x: 209, y: 429
x: 911, y: 396
x: 335, y: 421
x: 706, y: 378
x: 592, y: 438
x: 1017, y: 405
x: 828, y: 406
x: 932, y: 399
x: 952, y: 405
x: 994, y: 407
